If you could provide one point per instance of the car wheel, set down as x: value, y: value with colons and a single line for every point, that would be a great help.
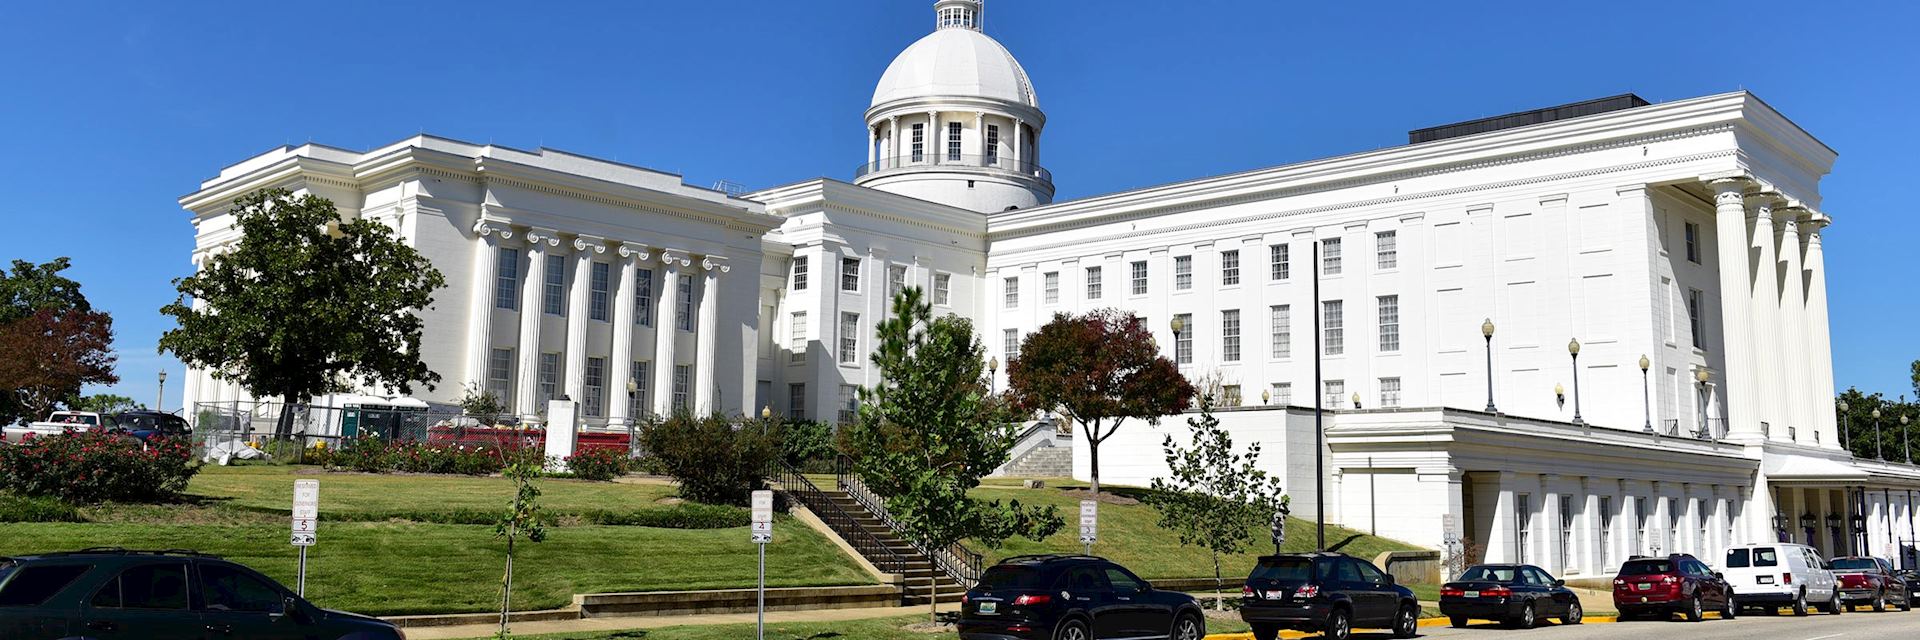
x: 1188, y: 628
x: 1339, y: 625
x: 1906, y: 604
x: 1574, y: 614
x: 1406, y: 622
x: 1072, y: 630
x: 1527, y: 617
x: 1458, y: 621
x: 1731, y: 609
x: 1800, y: 604
x: 1880, y: 603
x: 1266, y: 633
x: 1836, y: 606
x: 1694, y: 611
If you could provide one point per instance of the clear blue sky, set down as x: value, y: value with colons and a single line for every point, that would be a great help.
x: 108, y: 113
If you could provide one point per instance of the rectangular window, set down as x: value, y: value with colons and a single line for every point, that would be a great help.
x: 1229, y: 268
x: 1183, y: 341
x: 942, y: 289
x: 1695, y: 300
x: 1280, y: 316
x: 849, y: 338
x: 506, y: 279
x: 1052, y: 290
x: 500, y: 375
x: 1282, y: 394
x: 849, y: 274
x: 1386, y: 249
x: 1010, y: 288
x: 953, y: 141
x: 1522, y: 522
x: 596, y: 400
x: 799, y: 273
x: 797, y: 339
x: 637, y: 406
x: 1182, y: 273
x: 1389, y: 392
x: 896, y: 281
x: 1389, y: 324
x: 1640, y: 519
x: 1140, y: 278
x: 643, y: 297
x: 1330, y: 257
x: 1009, y: 346
x: 554, y: 302
x: 797, y: 401
x: 1230, y: 335
x: 549, y: 377
x: 597, y: 294
x: 1693, y: 242
x: 1277, y: 255
x: 1093, y: 283
x: 993, y: 145
x: 1566, y: 530
x: 682, y: 382
x: 849, y: 403
x: 1230, y: 395
x: 919, y: 142
x: 1335, y: 392
x: 683, y: 317
x: 1606, y: 530
x: 1332, y: 318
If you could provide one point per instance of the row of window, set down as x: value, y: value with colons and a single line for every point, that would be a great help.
x: 847, y: 412
x: 500, y: 374
x: 506, y: 290
x: 848, y: 351
x: 1280, y: 324
x: 1386, y: 252
x: 896, y: 279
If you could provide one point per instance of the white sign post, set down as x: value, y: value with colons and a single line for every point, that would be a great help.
x: 1089, y: 523
x: 306, y: 519
x: 762, y: 534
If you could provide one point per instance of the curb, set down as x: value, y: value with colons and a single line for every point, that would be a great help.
x: 1424, y: 622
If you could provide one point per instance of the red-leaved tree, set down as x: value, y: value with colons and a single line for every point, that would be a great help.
x: 1099, y: 369
x: 46, y: 356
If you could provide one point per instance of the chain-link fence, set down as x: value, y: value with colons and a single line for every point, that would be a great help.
x: 228, y: 430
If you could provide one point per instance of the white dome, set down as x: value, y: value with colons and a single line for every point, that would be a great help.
x: 955, y: 62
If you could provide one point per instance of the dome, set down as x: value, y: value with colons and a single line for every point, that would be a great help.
x: 955, y: 62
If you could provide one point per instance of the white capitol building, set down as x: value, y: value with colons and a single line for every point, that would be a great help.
x: 1687, y: 232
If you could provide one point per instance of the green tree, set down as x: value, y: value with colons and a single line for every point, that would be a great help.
x: 52, y: 342
x: 522, y: 520
x: 105, y: 403
x: 930, y: 430
x: 31, y: 287
x: 1099, y: 369
x: 1215, y: 496
x: 715, y: 460
x: 306, y: 303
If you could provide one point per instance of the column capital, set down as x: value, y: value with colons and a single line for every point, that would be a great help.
x: 489, y: 229
x: 1729, y: 187
x: 634, y: 250
x: 711, y: 263
x: 1767, y: 198
x: 1816, y: 220
x: 675, y: 258
x: 537, y: 236
x: 585, y: 243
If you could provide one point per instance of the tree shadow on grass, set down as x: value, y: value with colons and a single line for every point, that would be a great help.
x: 1336, y: 546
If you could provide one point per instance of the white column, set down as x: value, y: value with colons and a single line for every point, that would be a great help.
x: 1502, y: 544
x: 1766, y: 316
x: 980, y: 131
x: 480, y: 309
x: 707, y: 327
x: 527, y: 387
x: 1822, y: 505
x: 1742, y: 390
x: 935, y: 141
x: 1550, y: 530
x: 1819, y: 342
x: 576, y: 358
x: 665, y: 330
x: 893, y: 141
x: 871, y: 135
x: 1019, y: 154
x: 1796, y: 374
x: 1660, y: 531
x: 623, y: 321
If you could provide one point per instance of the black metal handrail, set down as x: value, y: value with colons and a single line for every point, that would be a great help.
x: 926, y: 160
x: 799, y: 489
x: 956, y: 560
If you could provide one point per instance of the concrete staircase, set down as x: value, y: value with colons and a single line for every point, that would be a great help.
x: 918, y: 568
x: 1040, y: 462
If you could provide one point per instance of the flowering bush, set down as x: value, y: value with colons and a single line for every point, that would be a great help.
x: 598, y: 463
x: 93, y: 467
x: 374, y: 455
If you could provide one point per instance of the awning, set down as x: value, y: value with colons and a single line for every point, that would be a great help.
x: 1793, y: 468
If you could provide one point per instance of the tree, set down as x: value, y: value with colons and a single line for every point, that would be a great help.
x: 52, y: 342
x: 1215, y: 497
x: 105, y: 403
x: 1099, y: 369
x: 930, y: 430
x: 1914, y: 377
x: 306, y: 303
x: 715, y: 460
x: 522, y: 520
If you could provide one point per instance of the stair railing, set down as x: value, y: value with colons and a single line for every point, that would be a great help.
x: 955, y: 560
x: 801, y: 490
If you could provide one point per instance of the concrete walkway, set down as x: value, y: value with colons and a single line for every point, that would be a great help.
x: 655, y: 622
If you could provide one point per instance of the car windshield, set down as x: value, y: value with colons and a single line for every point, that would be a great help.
x: 1853, y: 564
x: 1010, y: 577
x: 34, y: 585
x: 1645, y: 567
x: 1489, y: 574
x: 1284, y: 569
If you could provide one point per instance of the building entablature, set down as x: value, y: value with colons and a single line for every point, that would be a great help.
x: 1477, y: 441
x: 1032, y: 117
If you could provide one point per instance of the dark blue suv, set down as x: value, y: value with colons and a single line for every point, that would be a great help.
x: 111, y: 594
x: 1328, y: 593
x: 1066, y: 597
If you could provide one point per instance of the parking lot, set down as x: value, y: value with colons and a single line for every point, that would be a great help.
x: 1857, y: 625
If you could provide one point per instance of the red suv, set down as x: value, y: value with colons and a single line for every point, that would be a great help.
x: 1678, y: 583
x: 1870, y: 581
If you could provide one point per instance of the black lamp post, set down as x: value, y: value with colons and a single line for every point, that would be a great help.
x: 1877, y: 453
x: 1646, y: 398
x: 1845, y: 418
x: 993, y: 374
x: 1573, y: 349
x: 1486, y: 331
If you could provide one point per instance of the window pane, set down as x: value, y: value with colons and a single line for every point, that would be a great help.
x: 1282, y: 328
x: 1230, y: 335
x: 225, y: 588
x: 35, y: 584
x: 597, y: 297
x: 1182, y: 273
x: 1229, y: 268
x: 683, y: 316
x: 643, y: 297
x: 1280, y: 267
x: 1332, y: 317
x: 1093, y: 283
x: 800, y: 273
x: 1389, y: 314
x: 154, y: 586
x: 1183, y: 341
x: 506, y: 286
x: 849, y: 338
x: 554, y: 299
x: 1140, y: 278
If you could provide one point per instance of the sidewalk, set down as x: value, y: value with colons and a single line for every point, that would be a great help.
x: 654, y: 622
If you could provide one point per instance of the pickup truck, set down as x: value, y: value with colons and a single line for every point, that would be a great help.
x: 58, y: 423
x: 1871, y: 581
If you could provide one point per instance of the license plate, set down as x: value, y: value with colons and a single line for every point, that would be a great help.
x: 989, y: 608
x: 1766, y: 579
x: 1276, y: 595
x: 1643, y: 586
x: 1469, y: 594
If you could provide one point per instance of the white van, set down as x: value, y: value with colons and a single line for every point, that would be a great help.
x: 1781, y: 574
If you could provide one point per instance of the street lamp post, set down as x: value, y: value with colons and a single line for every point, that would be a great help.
x: 1906, y: 441
x: 1646, y: 400
x: 1573, y: 349
x: 1356, y: 399
x: 160, y: 399
x: 1845, y: 419
x: 1877, y: 453
x: 1486, y: 331
x: 1706, y: 423
x: 993, y: 374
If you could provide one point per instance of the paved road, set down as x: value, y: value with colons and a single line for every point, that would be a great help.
x: 1859, y: 625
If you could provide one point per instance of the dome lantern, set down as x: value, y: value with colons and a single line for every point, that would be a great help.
x: 959, y: 14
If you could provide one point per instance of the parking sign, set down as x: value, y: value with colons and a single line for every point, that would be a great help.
x: 306, y: 512
x: 1089, y: 521
x: 762, y: 517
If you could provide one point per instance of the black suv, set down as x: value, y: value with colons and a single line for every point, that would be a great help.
x: 1329, y: 593
x: 146, y: 425
x: 1067, y: 597
x: 109, y: 594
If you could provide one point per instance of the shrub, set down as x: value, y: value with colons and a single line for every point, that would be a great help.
x: 681, y: 516
x: 371, y: 454
x: 83, y: 468
x: 808, y: 445
x: 715, y: 460
x: 41, y: 509
x: 598, y: 464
